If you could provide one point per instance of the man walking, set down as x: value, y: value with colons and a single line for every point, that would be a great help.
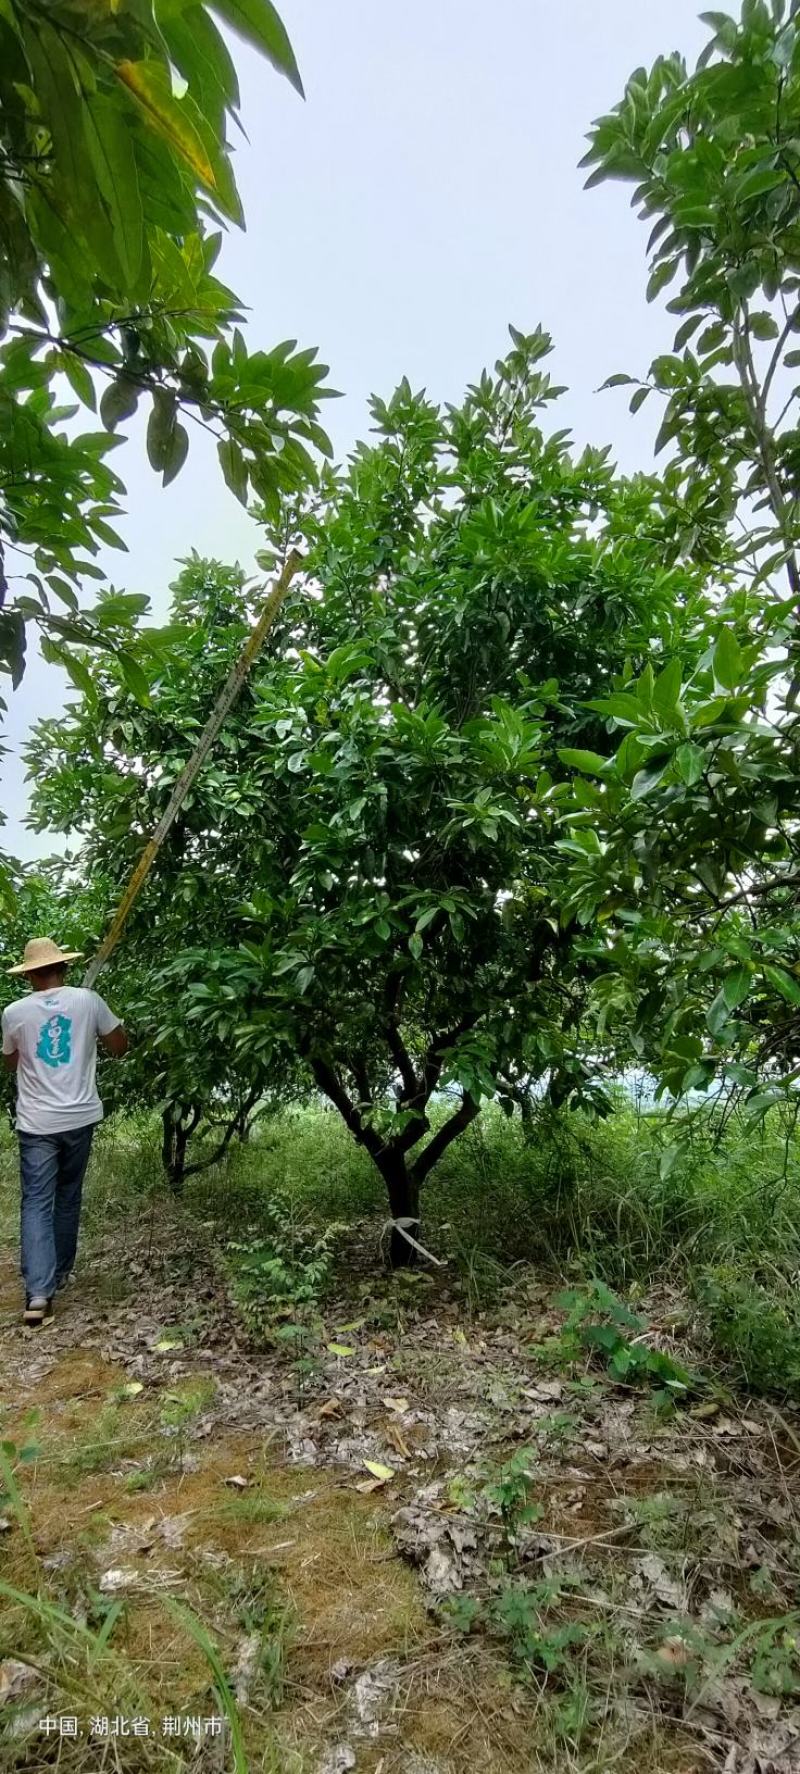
x: 50, y: 1040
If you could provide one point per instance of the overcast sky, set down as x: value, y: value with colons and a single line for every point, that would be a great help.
x: 426, y: 194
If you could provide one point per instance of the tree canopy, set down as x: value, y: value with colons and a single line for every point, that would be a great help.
x: 116, y: 180
x: 691, y: 833
x: 368, y: 879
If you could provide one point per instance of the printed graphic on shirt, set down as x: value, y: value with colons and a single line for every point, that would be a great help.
x: 55, y: 1041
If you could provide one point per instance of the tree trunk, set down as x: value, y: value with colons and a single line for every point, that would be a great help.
x: 173, y: 1150
x: 403, y: 1204
x: 403, y: 1178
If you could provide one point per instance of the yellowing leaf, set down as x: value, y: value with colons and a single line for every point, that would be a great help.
x: 341, y: 1349
x: 150, y: 85
x: 132, y: 1390
x: 166, y: 1343
x: 379, y: 1471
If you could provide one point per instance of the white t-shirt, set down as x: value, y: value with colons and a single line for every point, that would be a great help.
x: 55, y: 1034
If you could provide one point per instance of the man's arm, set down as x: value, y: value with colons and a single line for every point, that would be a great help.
x: 10, y: 1052
x: 110, y: 1033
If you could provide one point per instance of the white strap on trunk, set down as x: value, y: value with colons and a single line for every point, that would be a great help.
x: 401, y: 1225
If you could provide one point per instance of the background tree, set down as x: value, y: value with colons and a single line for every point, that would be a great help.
x: 692, y: 828
x: 368, y: 867
x: 115, y: 175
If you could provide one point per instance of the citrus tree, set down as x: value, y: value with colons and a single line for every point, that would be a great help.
x: 367, y: 879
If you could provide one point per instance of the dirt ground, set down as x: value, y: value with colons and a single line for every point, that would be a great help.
x: 418, y: 1539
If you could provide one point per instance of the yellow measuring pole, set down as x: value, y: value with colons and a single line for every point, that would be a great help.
x: 191, y: 770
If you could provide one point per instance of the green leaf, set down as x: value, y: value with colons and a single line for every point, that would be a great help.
x: 160, y: 428
x: 79, y: 378
x: 784, y: 982
x: 56, y: 88
x: 727, y: 660
x: 590, y: 762
x: 233, y: 467
x: 119, y: 401
x: 660, y: 277
x: 686, y: 329
x: 619, y: 705
x: 741, y: 1075
x: 112, y: 155
x: 736, y: 986
x: 79, y: 673
x: 755, y: 183
x: 689, y: 760
x: 134, y: 678
x: 177, y: 451
x: 63, y: 591
x: 645, y: 781
x: 762, y: 326
x: 645, y: 685
x: 416, y: 945
x: 668, y: 1161
x: 638, y: 399
x: 12, y: 645
x: 260, y: 25
x: 667, y: 688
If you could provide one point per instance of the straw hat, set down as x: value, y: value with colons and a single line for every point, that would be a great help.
x: 41, y: 952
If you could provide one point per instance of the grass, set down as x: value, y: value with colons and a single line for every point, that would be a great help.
x: 578, y: 1198
x: 249, y: 1613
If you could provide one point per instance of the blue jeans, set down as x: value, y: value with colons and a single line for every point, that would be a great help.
x: 52, y: 1169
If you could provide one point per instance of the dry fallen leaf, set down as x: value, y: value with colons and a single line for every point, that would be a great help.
x: 396, y: 1404
x: 653, y: 1571
x: 369, y: 1484
x: 237, y: 1482
x: 337, y: 1760
x: 14, y: 1676
x: 379, y: 1471
x: 118, y: 1579
x: 330, y: 1407
x: 674, y: 1654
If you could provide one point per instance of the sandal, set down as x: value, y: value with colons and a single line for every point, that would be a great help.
x: 37, y: 1310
